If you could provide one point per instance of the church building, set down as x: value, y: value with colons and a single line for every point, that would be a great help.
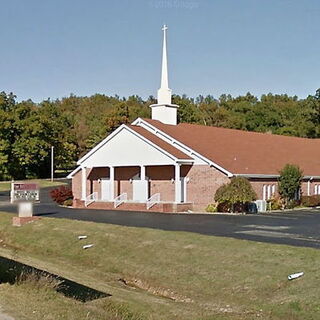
x: 159, y: 165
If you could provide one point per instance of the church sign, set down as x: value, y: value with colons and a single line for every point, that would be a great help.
x: 24, y: 192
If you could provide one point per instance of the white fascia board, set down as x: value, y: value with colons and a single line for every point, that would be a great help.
x: 261, y: 176
x: 100, y: 144
x: 270, y: 176
x: 173, y: 141
x: 71, y: 174
x: 311, y: 177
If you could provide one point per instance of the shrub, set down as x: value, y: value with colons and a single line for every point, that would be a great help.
x: 68, y: 202
x: 275, y: 203
x: 289, y: 182
x: 211, y: 208
x: 61, y: 194
x: 235, y: 194
x: 310, y: 201
x: 292, y: 204
x: 224, y: 207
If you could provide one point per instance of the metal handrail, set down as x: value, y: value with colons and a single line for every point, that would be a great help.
x: 120, y: 199
x: 91, y: 198
x: 154, y: 199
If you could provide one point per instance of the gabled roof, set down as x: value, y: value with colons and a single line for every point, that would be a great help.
x: 244, y: 152
x: 144, y: 135
x: 160, y: 143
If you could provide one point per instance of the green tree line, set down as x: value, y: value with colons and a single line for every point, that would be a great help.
x: 73, y: 125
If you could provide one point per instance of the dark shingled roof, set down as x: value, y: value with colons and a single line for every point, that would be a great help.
x: 244, y: 152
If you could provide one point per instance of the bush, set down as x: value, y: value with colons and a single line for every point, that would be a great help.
x: 236, y: 207
x: 310, y: 201
x: 235, y: 194
x: 224, y: 207
x: 292, y: 204
x: 61, y: 194
x: 289, y: 183
x: 275, y: 203
x: 68, y: 203
x: 211, y: 208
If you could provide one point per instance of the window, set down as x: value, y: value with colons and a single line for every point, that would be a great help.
x: 268, y: 191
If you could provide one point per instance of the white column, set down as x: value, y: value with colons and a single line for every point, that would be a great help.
x: 111, y: 183
x: 83, y: 183
x: 142, y: 173
x: 177, y: 183
x: 308, y: 187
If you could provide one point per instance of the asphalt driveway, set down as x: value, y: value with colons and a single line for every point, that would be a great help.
x: 298, y: 228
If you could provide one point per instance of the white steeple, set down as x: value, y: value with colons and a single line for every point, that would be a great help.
x: 164, y: 111
x: 164, y: 93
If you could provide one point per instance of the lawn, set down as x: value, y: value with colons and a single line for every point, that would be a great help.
x: 154, y: 274
x: 43, y: 183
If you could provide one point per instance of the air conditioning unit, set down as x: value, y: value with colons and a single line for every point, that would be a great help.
x: 261, y: 205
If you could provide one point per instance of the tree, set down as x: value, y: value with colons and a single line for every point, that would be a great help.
x: 238, y: 191
x: 289, y: 182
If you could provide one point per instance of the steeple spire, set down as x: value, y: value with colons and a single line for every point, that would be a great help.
x: 164, y: 93
x: 164, y: 71
x: 164, y: 110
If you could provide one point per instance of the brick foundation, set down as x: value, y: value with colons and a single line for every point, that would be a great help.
x: 134, y: 206
x: 20, y: 221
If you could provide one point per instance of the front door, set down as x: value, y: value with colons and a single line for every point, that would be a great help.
x: 140, y: 190
x: 105, y: 189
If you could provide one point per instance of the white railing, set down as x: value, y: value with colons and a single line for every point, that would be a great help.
x: 120, y: 199
x: 91, y: 198
x: 154, y: 199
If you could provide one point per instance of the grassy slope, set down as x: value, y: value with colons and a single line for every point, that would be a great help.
x: 6, y: 185
x: 211, y: 277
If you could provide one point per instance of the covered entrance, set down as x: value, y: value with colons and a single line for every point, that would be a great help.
x: 129, y: 168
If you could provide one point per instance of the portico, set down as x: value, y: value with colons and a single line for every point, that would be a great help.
x: 136, y: 183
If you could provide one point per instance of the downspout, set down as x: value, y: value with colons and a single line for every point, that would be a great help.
x: 309, y: 182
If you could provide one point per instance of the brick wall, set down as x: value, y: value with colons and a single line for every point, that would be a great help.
x: 313, y: 183
x: 258, y: 186
x: 161, y: 182
x: 122, y: 177
x: 203, y: 184
x: 76, y: 185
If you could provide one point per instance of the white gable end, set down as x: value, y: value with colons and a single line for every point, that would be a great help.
x: 127, y: 148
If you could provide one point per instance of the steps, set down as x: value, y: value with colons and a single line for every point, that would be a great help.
x: 165, y: 207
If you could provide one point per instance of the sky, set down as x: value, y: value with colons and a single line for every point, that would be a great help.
x: 52, y: 48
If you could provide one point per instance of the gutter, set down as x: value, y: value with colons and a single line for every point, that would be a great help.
x: 270, y: 176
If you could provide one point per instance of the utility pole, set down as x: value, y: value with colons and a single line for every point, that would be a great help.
x: 52, y: 147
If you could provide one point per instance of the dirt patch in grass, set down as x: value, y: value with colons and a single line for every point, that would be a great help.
x: 161, y: 292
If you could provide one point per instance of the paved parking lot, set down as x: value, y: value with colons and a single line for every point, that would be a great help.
x: 299, y: 227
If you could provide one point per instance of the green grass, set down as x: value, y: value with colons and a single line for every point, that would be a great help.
x: 43, y: 183
x: 171, y: 275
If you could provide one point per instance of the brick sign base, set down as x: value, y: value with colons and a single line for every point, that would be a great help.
x: 20, y: 221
